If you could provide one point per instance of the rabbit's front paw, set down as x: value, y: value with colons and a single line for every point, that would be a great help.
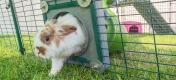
x: 52, y: 73
x: 56, y: 66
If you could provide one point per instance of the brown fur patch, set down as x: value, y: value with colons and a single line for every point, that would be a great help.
x: 57, y: 41
x: 53, y: 21
x: 68, y: 29
x: 48, y: 34
x: 41, y: 50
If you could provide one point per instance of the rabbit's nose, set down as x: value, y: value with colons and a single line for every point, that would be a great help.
x: 37, y: 47
x: 41, y: 50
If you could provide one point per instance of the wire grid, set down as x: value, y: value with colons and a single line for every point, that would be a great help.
x: 149, y: 54
x: 28, y: 16
x: 146, y: 55
x: 7, y: 30
x: 30, y: 19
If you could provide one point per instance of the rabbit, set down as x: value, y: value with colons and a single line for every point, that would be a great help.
x: 60, y: 38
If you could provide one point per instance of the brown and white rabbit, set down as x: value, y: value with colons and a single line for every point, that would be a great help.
x: 60, y: 38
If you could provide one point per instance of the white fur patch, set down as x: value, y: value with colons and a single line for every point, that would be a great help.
x: 70, y: 44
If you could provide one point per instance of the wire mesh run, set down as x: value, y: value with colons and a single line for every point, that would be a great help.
x: 7, y: 30
x: 29, y: 19
x: 146, y: 32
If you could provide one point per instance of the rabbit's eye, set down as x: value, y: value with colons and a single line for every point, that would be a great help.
x: 47, y: 38
x: 60, y: 31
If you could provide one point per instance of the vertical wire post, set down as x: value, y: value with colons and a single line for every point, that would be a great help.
x: 123, y: 43
x: 18, y: 33
x: 154, y: 40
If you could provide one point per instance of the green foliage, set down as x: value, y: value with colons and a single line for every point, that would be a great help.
x: 109, y: 2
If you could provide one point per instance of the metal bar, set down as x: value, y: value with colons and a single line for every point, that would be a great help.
x: 16, y: 24
x: 96, y: 32
x: 154, y: 39
x: 63, y: 5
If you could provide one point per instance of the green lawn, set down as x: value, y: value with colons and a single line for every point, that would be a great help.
x: 14, y: 66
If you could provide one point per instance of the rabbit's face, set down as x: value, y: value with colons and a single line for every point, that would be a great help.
x: 47, y: 41
x: 44, y: 40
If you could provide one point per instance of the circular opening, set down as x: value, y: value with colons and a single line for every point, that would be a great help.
x: 86, y: 34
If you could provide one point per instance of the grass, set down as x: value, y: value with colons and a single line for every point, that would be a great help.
x: 140, y: 59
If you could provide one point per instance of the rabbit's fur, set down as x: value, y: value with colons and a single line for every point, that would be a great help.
x: 59, y: 39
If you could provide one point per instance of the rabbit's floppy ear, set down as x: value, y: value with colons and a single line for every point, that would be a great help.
x: 51, y: 23
x: 67, y: 29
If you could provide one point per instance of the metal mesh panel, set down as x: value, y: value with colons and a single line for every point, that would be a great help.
x: 149, y: 51
x: 7, y: 30
x: 30, y: 19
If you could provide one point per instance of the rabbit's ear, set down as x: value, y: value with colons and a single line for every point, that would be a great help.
x: 51, y: 22
x: 67, y: 29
